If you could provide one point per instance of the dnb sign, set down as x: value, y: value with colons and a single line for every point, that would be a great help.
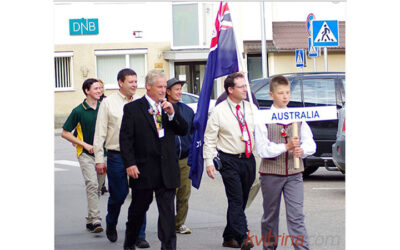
x: 84, y: 26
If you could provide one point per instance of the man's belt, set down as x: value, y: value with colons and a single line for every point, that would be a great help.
x: 241, y: 155
x: 113, y: 151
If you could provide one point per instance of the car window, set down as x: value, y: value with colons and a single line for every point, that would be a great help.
x: 194, y: 99
x: 319, y: 92
x: 263, y: 93
x: 295, y: 94
x: 186, y: 99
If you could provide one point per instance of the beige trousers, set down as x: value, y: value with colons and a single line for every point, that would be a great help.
x: 93, y: 182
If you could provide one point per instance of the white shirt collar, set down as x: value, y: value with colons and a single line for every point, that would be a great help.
x: 124, y: 97
x: 152, y: 102
x: 275, y: 108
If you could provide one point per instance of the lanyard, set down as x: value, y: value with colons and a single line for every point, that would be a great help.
x: 237, y: 118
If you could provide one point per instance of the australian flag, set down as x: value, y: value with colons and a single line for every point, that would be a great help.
x: 222, y: 60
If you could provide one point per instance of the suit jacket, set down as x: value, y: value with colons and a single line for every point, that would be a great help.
x: 140, y: 145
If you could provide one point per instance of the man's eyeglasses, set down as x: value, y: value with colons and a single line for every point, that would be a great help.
x: 241, y: 87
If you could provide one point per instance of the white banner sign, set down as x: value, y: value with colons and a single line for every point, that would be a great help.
x: 290, y: 115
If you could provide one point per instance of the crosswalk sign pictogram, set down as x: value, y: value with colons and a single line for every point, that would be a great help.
x: 325, y: 33
x: 312, y: 51
x: 299, y: 58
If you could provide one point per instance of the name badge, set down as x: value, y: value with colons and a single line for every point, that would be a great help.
x: 161, y: 133
x: 245, y: 136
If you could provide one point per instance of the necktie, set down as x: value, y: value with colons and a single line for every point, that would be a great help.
x: 242, y: 125
x: 158, y: 118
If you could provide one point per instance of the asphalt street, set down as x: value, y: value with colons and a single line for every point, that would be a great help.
x: 324, y: 210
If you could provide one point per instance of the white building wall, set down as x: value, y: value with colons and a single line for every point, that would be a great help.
x: 117, y: 21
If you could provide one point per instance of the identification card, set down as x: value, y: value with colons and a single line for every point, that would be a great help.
x: 245, y: 136
x: 161, y: 133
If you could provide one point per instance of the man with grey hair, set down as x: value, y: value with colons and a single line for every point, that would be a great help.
x: 147, y: 143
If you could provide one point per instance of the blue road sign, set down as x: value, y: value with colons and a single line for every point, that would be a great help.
x: 312, y: 51
x: 325, y: 33
x: 299, y: 58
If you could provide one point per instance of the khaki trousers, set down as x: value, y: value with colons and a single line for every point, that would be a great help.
x: 93, y: 182
x: 183, y: 194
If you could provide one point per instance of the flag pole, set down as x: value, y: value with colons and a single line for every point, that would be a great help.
x: 243, y: 68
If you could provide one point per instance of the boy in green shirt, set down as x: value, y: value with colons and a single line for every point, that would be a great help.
x: 83, y: 118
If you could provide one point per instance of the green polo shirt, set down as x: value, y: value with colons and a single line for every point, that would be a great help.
x: 83, y: 118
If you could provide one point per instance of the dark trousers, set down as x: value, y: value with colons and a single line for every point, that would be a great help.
x: 238, y: 175
x: 118, y: 189
x: 141, y: 200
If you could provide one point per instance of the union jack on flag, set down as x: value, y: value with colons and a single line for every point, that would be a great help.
x: 222, y: 60
x: 222, y: 22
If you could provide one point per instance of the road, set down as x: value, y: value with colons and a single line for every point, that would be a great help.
x: 324, y: 209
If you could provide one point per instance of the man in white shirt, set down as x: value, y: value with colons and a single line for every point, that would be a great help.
x: 229, y: 134
x: 108, y: 126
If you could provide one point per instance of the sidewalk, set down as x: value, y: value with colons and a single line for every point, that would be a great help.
x: 57, y: 131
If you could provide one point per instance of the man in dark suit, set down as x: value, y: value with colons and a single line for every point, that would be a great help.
x: 147, y: 141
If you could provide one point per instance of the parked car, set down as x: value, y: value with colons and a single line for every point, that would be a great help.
x: 307, y: 90
x: 339, y: 147
x: 191, y: 100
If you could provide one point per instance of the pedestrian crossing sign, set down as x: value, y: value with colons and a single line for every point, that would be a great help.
x: 312, y: 51
x: 325, y: 33
x: 299, y: 58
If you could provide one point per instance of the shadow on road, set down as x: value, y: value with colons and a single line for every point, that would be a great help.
x: 335, y: 176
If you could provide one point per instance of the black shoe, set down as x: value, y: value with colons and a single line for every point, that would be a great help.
x: 142, y: 243
x: 111, y: 233
x: 129, y: 248
x: 231, y: 243
x: 94, y: 228
x: 246, y: 245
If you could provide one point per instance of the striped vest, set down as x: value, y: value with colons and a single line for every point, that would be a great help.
x: 284, y: 163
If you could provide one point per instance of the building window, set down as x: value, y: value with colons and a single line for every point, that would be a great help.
x: 63, y: 71
x: 254, y: 66
x: 185, y: 20
x: 192, y: 25
x: 110, y: 62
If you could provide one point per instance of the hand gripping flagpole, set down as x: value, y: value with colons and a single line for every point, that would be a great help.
x: 295, y: 132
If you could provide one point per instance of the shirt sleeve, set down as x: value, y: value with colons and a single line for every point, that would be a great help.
x: 171, y: 117
x: 100, y: 133
x: 264, y: 147
x: 72, y: 121
x: 210, y: 139
x: 307, y: 142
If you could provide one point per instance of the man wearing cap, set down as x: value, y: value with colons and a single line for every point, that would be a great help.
x: 230, y: 136
x: 183, y: 143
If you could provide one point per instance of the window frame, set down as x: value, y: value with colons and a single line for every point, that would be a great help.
x: 69, y: 54
x: 116, y: 52
x: 202, y: 43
